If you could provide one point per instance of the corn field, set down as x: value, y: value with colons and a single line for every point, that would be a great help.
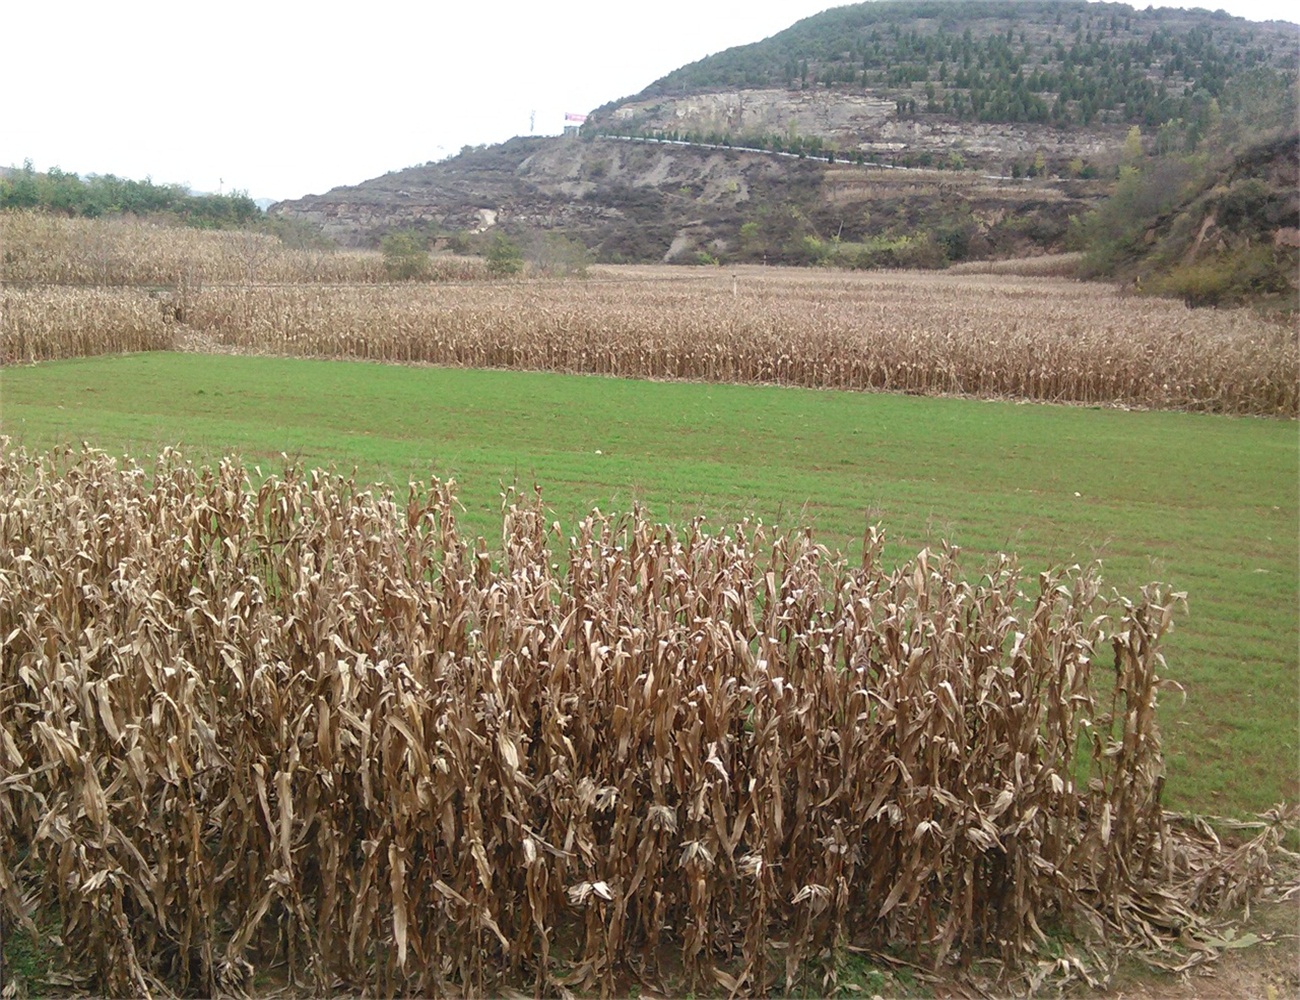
x: 45, y: 249
x: 46, y: 324
x: 311, y: 725
x: 996, y: 336
x: 974, y: 336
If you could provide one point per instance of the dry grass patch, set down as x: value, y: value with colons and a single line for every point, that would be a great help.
x: 1055, y: 265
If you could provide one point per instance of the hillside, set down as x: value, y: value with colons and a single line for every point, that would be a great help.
x: 643, y: 201
x: 1215, y: 226
x: 1064, y: 62
x: 919, y: 133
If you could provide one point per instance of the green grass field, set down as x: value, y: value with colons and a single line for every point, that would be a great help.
x: 1209, y: 505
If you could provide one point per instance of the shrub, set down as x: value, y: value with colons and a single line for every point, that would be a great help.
x: 1227, y: 278
x: 504, y: 258
x: 559, y: 256
x: 405, y: 256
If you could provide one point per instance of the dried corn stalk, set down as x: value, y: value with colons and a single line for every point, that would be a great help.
x: 307, y: 722
x: 52, y: 249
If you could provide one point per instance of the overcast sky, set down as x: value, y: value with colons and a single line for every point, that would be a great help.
x: 282, y: 98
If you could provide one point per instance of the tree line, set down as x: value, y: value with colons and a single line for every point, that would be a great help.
x: 65, y: 193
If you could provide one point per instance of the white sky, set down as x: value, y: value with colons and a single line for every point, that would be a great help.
x: 283, y: 98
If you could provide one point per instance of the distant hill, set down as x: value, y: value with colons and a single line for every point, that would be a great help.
x: 906, y: 133
x: 914, y: 78
x: 1059, y: 61
x: 636, y: 201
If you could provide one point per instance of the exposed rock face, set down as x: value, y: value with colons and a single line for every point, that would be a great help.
x: 469, y: 192
x: 548, y: 183
x: 743, y: 112
x: 850, y: 122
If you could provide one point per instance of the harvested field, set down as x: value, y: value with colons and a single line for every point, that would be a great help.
x: 978, y: 335
x: 306, y: 723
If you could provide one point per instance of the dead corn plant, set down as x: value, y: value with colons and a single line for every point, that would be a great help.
x: 46, y: 324
x: 980, y: 336
x: 50, y: 249
x: 312, y: 724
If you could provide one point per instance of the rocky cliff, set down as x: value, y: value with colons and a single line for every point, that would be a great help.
x: 849, y: 123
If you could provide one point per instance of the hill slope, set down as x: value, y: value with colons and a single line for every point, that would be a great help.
x: 1064, y: 62
x: 1014, y: 117
x: 645, y: 201
x: 1219, y: 224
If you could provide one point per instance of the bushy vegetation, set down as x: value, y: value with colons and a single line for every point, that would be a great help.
x: 916, y: 252
x: 504, y: 256
x: 405, y: 256
x: 556, y: 255
x: 1195, y: 216
x: 539, y: 253
x: 1229, y: 277
x: 65, y: 193
x: 925, y: 225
